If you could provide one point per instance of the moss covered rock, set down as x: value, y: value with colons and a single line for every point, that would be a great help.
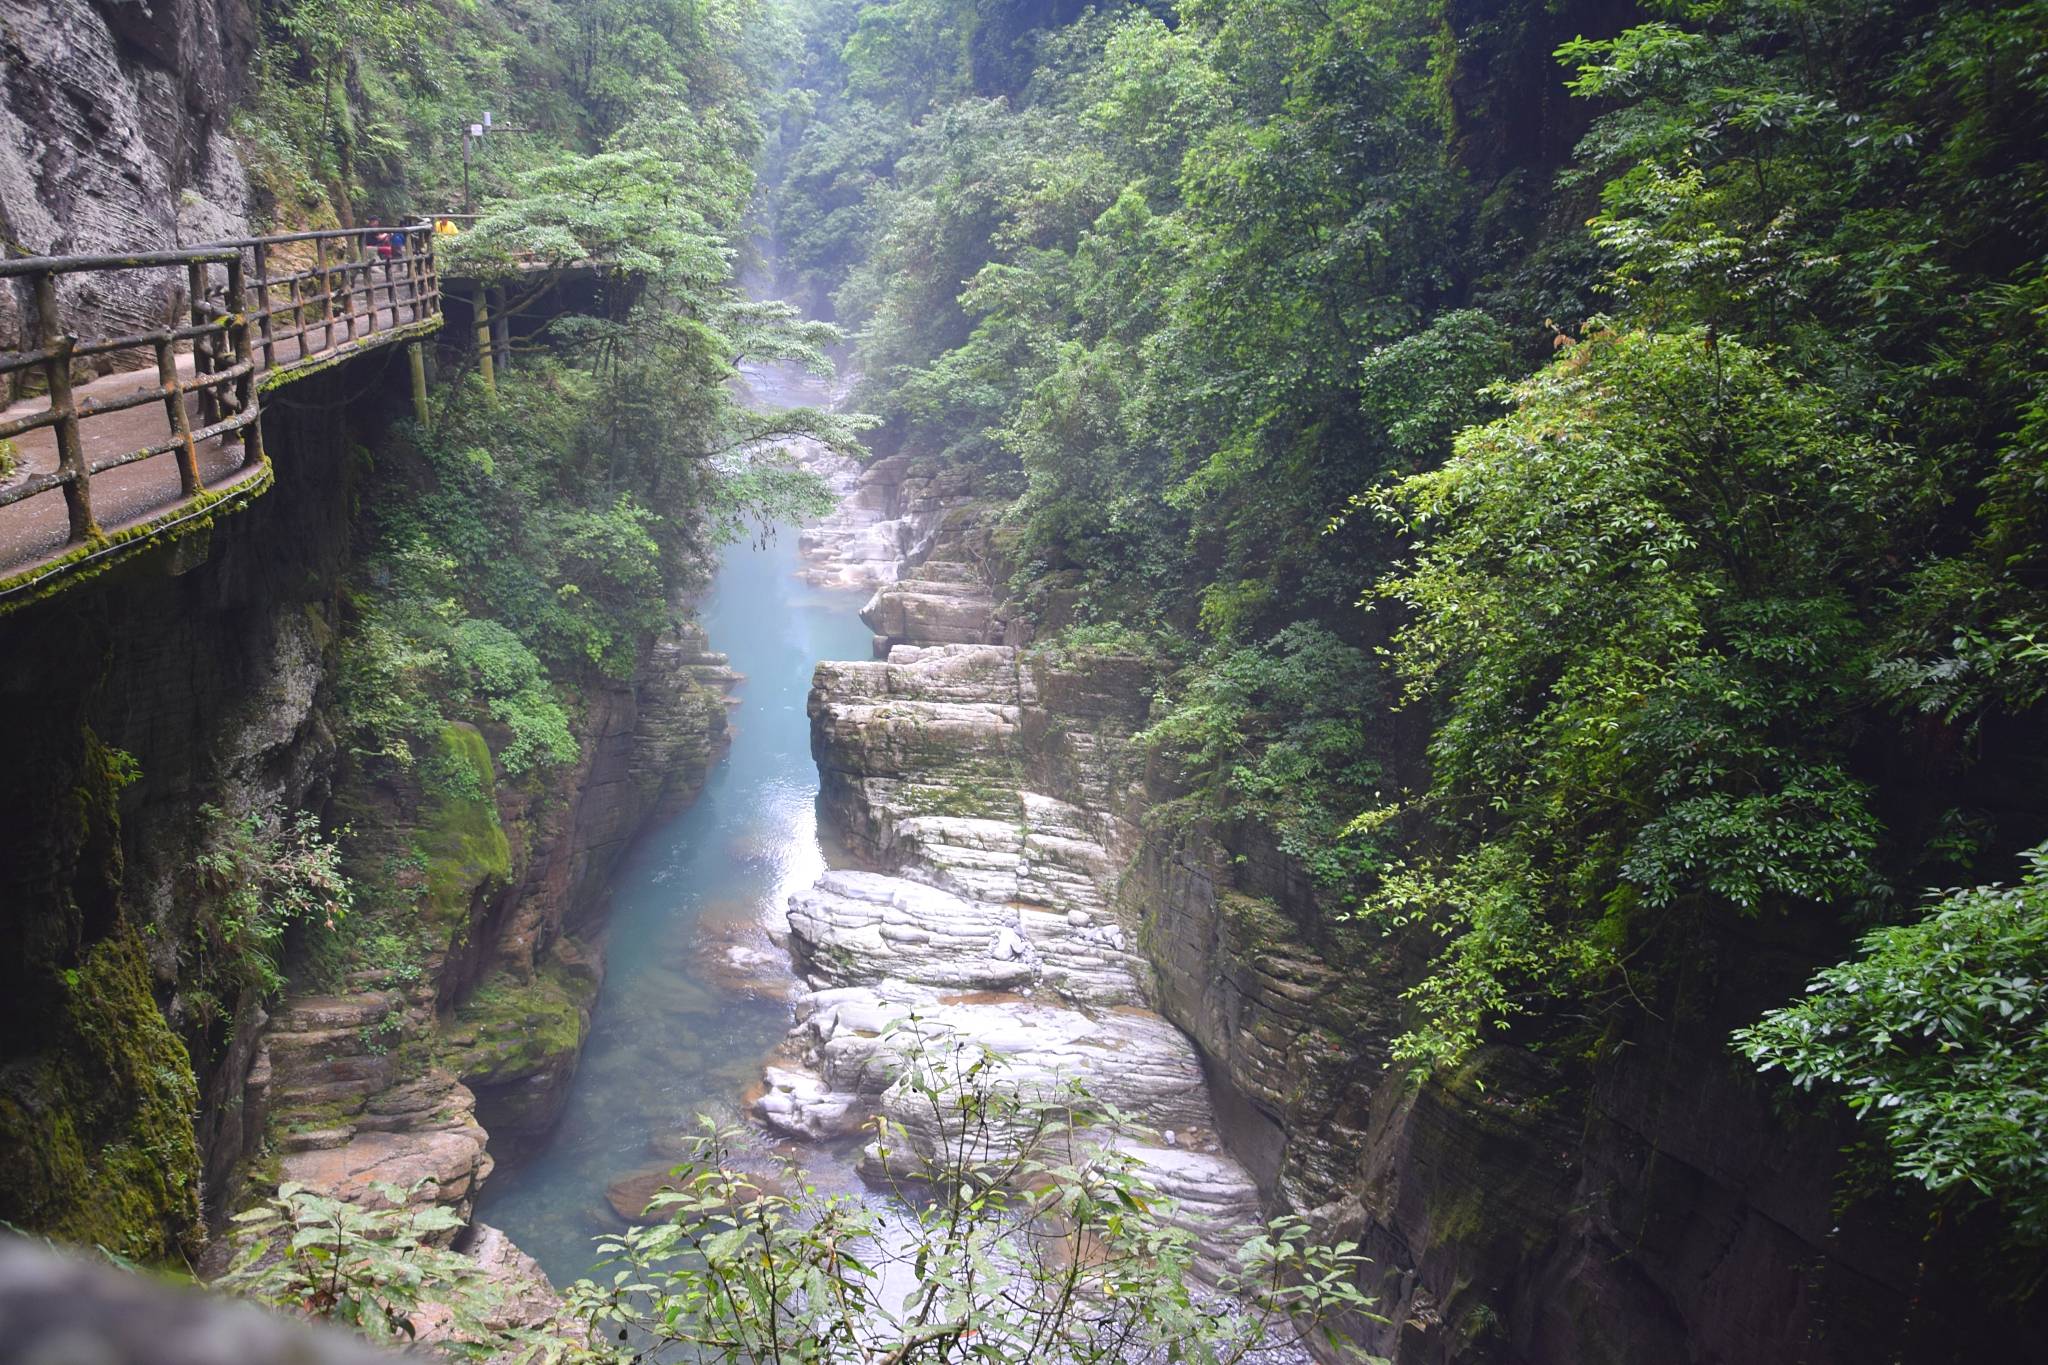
x: 516, y: 1044
x: 100, y: 1123
x: 460, y: 835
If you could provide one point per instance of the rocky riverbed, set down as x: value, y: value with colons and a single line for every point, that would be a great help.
x: 985, y: 909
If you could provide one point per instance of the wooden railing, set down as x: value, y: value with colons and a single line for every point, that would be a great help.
x: 345, y: 269
x: 255, y: 310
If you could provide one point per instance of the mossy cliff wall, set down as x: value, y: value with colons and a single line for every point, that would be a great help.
x: 1641, y: 1196
x: 190, y: 675
x: 529, y: 873
x: 132, y: 1095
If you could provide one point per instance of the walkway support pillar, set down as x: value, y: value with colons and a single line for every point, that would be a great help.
x: 482, y: 308
x: 419, y: 381
x: 501, y: 330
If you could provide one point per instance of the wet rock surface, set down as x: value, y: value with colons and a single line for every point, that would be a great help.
x: 888, y: 517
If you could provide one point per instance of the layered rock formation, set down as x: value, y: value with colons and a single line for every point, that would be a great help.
x: 353, y: 1106
x: 114, y: 138
x: 986, y: 914
x: 1643, y: 1204
x: 888, y: 516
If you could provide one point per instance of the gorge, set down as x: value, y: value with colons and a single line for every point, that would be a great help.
x: 1413, y: 626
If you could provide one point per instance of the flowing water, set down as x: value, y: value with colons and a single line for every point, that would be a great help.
x: 666, y: 1043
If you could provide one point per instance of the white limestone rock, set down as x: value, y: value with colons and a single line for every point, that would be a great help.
x: 801, y: 1104
x: 853, y: 927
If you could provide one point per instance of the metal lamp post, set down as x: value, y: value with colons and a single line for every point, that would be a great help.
x: 472, y: 138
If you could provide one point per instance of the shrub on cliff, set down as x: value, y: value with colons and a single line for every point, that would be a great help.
x: 259, y: 876
x: 1937, y: 1036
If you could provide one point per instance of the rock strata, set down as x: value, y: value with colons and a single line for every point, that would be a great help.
x: 114, y: 138
x: 347, y: 1116
x: 888, y: 517
x: 986, y: 916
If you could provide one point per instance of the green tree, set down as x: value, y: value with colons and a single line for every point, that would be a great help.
x: 1635, y: 603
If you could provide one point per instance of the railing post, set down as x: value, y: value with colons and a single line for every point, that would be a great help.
x: 202, y: 345
x: 372, y: 258
x: 70, y: 453
x: 348, y: 247
x: 483, y: 338
x: 245, y: 384
x: 298, y: 287
x: 174, y: 409
x: 419, y: 262
x: 369, y: 260
x: 408, y: 281
x: 262, y: 257
x: 326, y: 296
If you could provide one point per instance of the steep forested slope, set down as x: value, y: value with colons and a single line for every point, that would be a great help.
x: 1580, y: 467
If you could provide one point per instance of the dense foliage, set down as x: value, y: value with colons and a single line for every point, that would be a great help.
x: 370, y: 1268
x: 521, y: 547
x: 531, y: 538
x: 361, y: 105
x: 1935, y: 1032
x: 1668, y: 389
x: 259, y: 877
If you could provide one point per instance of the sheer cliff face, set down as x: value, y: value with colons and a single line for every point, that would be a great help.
x: 193, y: 675
x: 114, y: 137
